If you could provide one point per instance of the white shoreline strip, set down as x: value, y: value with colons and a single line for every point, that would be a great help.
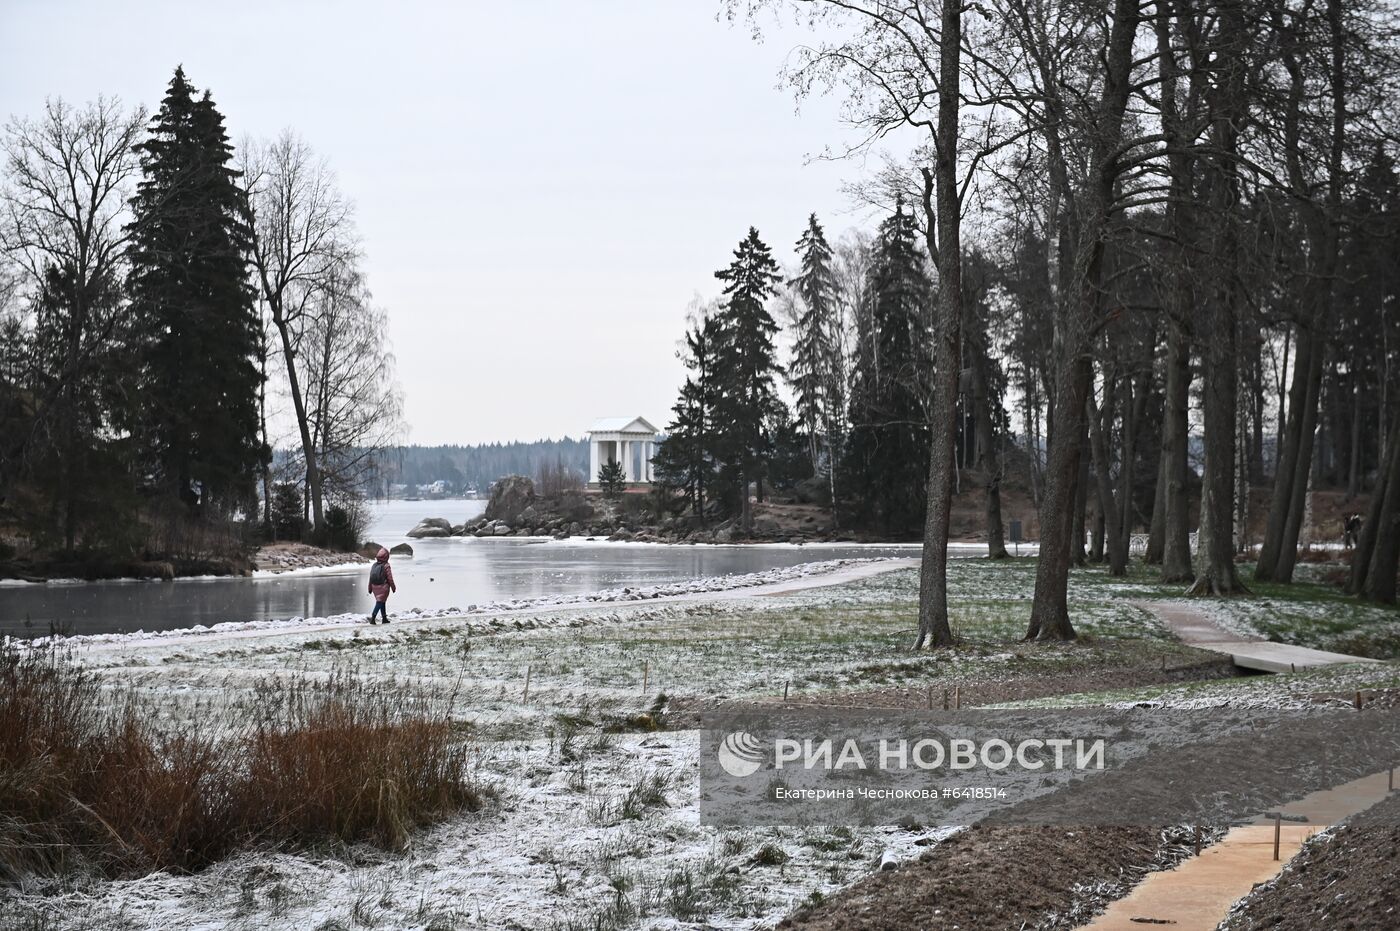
x: 769, y: 582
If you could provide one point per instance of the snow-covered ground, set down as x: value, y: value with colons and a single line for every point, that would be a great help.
x: 581, y: 821
x: 591, y: 821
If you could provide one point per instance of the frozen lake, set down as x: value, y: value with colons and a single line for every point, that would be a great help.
x: 447, y: 573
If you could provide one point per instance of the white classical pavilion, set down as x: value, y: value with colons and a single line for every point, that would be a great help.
x: 628, y: 440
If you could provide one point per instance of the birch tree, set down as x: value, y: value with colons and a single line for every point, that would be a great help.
x: 302, y: 236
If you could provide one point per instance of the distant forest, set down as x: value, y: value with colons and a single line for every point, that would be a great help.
x: 467, y: 467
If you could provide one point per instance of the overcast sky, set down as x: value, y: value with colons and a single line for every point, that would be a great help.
x: 540, y: 187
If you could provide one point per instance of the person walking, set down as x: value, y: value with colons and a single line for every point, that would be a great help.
x: 381, y: 583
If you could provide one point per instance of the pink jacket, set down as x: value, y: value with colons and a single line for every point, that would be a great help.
x: 381, y: 591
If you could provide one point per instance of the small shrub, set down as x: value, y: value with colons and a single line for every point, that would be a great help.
x: 345, y: 526
x: 287, y: 510
x: 770, y: 855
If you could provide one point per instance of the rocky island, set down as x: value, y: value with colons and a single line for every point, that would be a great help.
x: 516, y: 510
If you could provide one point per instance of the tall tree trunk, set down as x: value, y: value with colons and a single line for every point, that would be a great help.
x: 1134, y: 409
x: 1285, y: 472
x: 1080, y: 312
x: 1176, y: 553
x: 1373, y: 561
x: 988, y: 441
x: 1050, y: 610
x: 1301, y: 486
x: 943, y: 216
x: 1078, y: 554
x: 1256, y: 412
x: 308, y: 447
x: 1111, y: 528
x: 267, y: 446
x: 1157, y: 532
x: 1321, y: 222
x: 1354, y: 449
x: 1215, y: 545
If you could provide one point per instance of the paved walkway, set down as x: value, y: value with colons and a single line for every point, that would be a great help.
x: 1196, y: 628
x: 1198, y: 893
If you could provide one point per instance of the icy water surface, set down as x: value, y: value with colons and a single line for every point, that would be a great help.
x: 448, y: 573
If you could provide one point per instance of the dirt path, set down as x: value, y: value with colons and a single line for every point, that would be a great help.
x: 1196, y: 628
x: 1198, y: 894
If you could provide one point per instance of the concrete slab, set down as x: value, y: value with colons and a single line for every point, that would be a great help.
x: 1264, y: 656
x: 1198, y: 894
x: 1196, y: 628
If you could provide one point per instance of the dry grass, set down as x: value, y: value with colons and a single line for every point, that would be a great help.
x: 86, y: 785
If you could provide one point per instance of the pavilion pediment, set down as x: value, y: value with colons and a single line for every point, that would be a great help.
x: 636, y: 426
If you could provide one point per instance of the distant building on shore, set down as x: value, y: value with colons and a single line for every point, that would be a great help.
x: 628, y: 440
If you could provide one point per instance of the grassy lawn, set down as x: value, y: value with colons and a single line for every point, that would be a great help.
x: 850, y: 637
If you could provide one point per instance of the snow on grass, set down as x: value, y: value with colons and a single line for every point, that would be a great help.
x: 592, y: 822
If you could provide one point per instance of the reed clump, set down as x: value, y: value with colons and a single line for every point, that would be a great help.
x: 85, y: 784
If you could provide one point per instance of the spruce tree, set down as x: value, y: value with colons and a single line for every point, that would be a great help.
x: 746, y: 368
x: 684, y: 461
x: 888, y: 447
x: 190, y: 295
x: 815, y: 371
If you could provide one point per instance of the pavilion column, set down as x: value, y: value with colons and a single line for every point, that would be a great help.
x: 593, y: 461
x: 627, y: 460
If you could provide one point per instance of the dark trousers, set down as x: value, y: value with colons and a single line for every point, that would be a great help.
x: 379, y: 609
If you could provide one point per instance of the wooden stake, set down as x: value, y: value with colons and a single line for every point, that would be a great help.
x: 957, y: 697
x: 526, y: 696
x: 1358, y: 701
x: 945, y: 699
x: 646, y: 674
x: 930, y: 698
x: 1278, y: 830
x: 1197, y: 829
x: 786, y: 686
x: 1390, y: 780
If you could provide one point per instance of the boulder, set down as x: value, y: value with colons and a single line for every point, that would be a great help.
x: 431, y: 527
x: 500, y: 529
x: 510, y: 496
x: 766, y: 525
x: 403, y: 549
x: 530, y: 517
x: 814, y: 490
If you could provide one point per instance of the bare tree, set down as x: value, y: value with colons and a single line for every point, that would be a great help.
x: 63, y: 206
x: 302, y: 236
x: 1070, y: 74
x: 354, y: 404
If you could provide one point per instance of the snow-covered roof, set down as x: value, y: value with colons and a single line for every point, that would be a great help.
x: 622, y: 425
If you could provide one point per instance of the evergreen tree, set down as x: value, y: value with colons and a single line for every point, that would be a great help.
x: 746, y: 368
x: 888, y: 447
x: 815, y: 369
x: 189, y: 291
x: 612, y: 479
x: 684, y: 460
